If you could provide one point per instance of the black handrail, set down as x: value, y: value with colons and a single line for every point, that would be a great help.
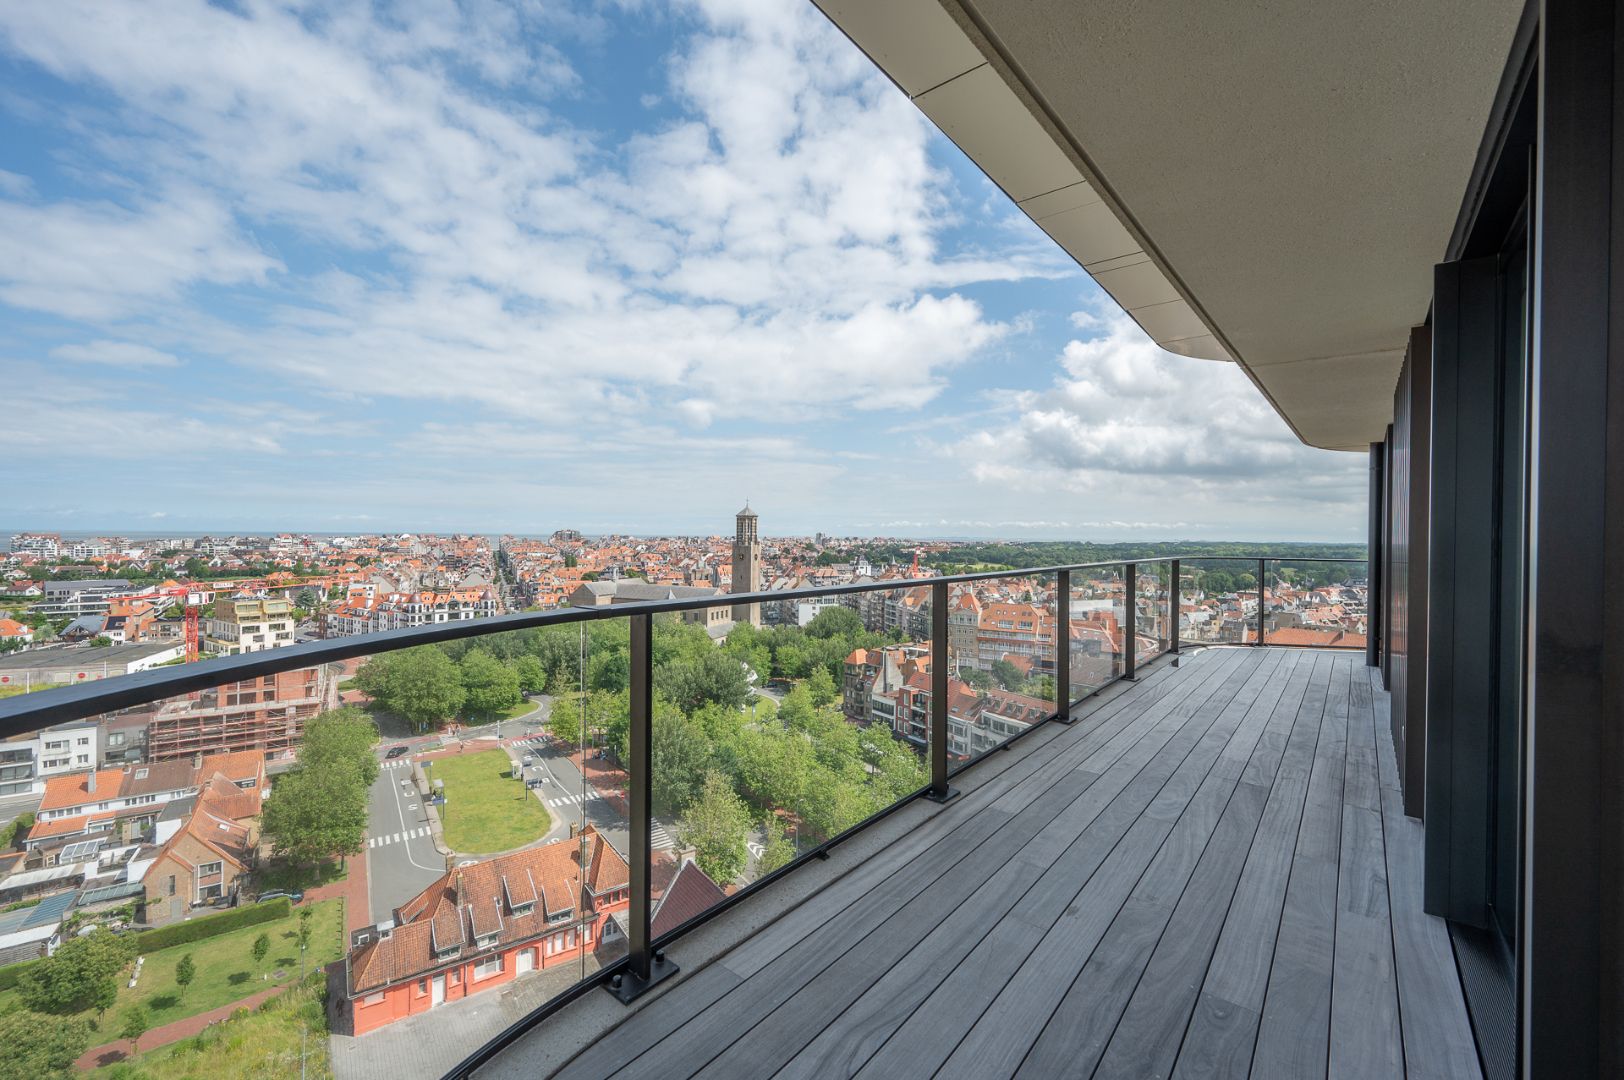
x: 19, y: 715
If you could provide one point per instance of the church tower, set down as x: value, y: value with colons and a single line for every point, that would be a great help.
x: 746, y: 564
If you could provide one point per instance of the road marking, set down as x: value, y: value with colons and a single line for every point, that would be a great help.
x: 755, y: 849
x: 660, y: 838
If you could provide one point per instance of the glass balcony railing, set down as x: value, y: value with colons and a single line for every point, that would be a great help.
x: 546, y: 801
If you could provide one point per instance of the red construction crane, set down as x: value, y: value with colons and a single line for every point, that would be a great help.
x: 191, y: 633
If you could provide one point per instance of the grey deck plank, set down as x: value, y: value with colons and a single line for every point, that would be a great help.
x: 1207, y: 875
x: 900, y: 994
x: 1149, y: 866
x: 1082, y: 1029
x: 1438, y: 1042
x: 1365, y: 1041
x: 692, y: 1046
x: 1294, y: 1030
x: 1118, y: 796
x: 1219, y: 1039
x: 1147, y: 1038
x: 798, y: 954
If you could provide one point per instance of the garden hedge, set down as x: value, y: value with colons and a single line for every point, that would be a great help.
x: 10, y: 973
x: 163, y: 937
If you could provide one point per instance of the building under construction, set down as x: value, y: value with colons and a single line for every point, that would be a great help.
x: 266, y: 714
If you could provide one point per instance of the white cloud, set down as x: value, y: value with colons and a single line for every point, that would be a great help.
x: 115, y: 353
x: 1130, y: 423
x: 777, y: 253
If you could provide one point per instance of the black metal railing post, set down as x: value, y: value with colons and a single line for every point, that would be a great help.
x: 1262, y: 572
x: 1062, y: 645
x: 939, y: 789
x: 1175, y: 607
x: 647, y: 966
x: 1130, y: 623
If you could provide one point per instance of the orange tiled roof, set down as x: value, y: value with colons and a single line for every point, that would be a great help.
x: 62, y: 792
x: 480, y: 899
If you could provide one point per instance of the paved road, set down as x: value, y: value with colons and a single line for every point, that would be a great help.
x: 401, y: 859
x: 14, y: 806
x: 571, y: 800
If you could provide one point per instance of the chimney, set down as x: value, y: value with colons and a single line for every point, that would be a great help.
x: 90, y: 782
x: 197, y: 760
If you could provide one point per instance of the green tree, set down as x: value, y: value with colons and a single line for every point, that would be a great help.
x: 717, y: 826
x: 1007, y: 675
x: 778, y: 850
x: 714, y: 676
x: 262, y: 946
x: 421, y: 685
x: 40, y: 1049
x: 489, y: 685
x: 835, y: 622
x: 679, y: 756
x: 185, y: 972
x: 532, y: 675
x: 82, y: 974
x: 564, y: 721
x: 137, y: 1022
x: 315, y: 813
x: 821, y: 686
x: 341, y: 739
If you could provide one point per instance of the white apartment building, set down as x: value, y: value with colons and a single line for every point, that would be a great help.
x: 250, y: 624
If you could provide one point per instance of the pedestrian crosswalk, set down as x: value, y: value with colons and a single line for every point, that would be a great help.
x: 660, y: 838
x: 568, y: 800
x: 396, y: 838
x: 398, y: 763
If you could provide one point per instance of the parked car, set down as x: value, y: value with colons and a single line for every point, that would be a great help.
x: 395, y: 751
x: 529, y: 758
x: 277, y: 895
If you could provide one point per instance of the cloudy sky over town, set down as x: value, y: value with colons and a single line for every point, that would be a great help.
x: 515, y: 267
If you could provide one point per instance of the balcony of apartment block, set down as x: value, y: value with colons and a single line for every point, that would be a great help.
x: 1193, y: 860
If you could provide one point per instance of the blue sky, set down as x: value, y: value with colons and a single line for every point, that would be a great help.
x: 515, y: 267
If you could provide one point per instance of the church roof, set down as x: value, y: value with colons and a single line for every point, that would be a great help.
x: 746, y: 512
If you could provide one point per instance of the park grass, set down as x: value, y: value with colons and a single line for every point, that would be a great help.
x: 485, y: 812
x: 264, y: 1043
x: 278, y: 875
x: 226, y: 971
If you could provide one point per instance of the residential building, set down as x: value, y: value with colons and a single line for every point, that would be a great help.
x: 204, y: 861
x: 481, y: 926
x: 69, y: 748
x: 47, y: 547
x: 266, y: 714
x: 249, y: 624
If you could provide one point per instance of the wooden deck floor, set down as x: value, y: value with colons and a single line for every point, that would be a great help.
x: 1209, y: 875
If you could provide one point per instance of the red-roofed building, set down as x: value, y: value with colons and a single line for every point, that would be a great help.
x: 482, y: 926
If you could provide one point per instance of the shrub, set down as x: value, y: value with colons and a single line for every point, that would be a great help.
x: 11, y: 972
x: 213, y: 925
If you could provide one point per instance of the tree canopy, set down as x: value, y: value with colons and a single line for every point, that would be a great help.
x: 82, y: 974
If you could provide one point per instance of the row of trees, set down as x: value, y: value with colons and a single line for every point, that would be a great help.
x: 319, y: 809
x: 427, y: 687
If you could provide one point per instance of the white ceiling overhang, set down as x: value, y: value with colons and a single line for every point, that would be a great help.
x: 1265, y: 183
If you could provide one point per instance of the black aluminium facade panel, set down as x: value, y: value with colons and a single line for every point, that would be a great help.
x: 1460, y: 591
x: 1570, y: 942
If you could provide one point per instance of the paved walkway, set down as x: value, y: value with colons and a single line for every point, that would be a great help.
x: 430, y: 1043
x: 352, y: 889
x: 121, y: 1050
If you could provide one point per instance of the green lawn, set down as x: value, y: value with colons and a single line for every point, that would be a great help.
x: 225, y: 966
x: 508, y: 713
x: 263, y: 1043
x: 486, y: 809
x: 278, y: 876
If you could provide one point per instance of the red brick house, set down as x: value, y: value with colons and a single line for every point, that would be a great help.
x: 483, y: 926
x: 205, y: 860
